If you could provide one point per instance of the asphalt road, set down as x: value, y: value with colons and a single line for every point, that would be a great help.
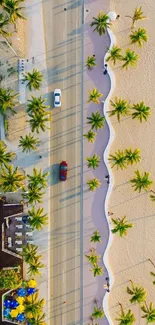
x: 63, y: 52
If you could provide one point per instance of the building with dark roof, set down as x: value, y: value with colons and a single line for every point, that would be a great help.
x: 7, y: 259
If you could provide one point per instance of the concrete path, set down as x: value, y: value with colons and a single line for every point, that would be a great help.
x: 94, y: 214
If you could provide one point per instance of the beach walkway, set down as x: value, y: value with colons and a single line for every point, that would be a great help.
x: 94, y: 213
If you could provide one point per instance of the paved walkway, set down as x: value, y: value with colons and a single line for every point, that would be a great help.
x: 94, y: 215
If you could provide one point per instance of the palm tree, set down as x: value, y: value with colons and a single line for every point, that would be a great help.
x: 4, y: 21
x: 38, y: 320
x: 149, y: 312
x: 96, y: 237
x: 94, y: 95
x: 120, y: 108
x: 138, y: 293
x: 38, y: 121
x: 38, y: 179
x: 142, y: 112
x: 90, y: 136
x: 98, y: 313
x: 5, y: 157
x: 36, y: 104
x: 127, y: 318
x: 8, y: 100
x: 29, y: 253
x: 93, y: 184
x: 130, y: 58
x: 132, y: 156
x: 28, y: 143
x: 121, y: 225
x: 96, y: 120
x: 97, y: 270
x: 101, y: 23
x: 141, y: 181
x: 139, y: 36
x: 33, y: 79
x: 33, y: 306
x: 11, y: 180
x: 138, y: 15
x: 93, y: 258
x: 37, y: 218
x: 114, y: 54
x: 12, y: 7
x: 35, y: 266
x: 91, y: 62
x: 33, y: 195
x: 93, y: 161
x: 118, y: 159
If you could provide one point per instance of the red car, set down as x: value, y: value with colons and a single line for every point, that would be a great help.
x: 63, y: 171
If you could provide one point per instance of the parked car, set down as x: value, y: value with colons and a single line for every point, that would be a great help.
x: 63, y: 171
x: 57, y: 98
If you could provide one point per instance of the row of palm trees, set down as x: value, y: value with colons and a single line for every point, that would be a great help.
x: 124, y: 158
x: 11, y: 13
x: 11, y: 180
x: 138, y: 295
x: 129, y: 58
x: 97, y: 122
x: 138, y: 36
x: 101, y: 22
x: 36, y: 109
x: 121, y: 108
x: 92, y: 258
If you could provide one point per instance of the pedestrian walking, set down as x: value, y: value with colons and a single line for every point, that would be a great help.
x: 40, y: 157
x: 118, y: 16
x: 108, y: 284
x: 110, y: 213
x: 107, y: 177
x: 105, y: 69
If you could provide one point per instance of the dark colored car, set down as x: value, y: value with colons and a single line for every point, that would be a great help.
x: 63, y: 171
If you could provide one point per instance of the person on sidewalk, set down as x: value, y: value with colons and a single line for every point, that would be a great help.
x: 105, y: 69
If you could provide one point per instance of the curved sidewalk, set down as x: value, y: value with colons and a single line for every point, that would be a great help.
x: 94, y: 213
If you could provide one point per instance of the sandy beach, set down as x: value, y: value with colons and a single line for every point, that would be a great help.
x: 129, y: 256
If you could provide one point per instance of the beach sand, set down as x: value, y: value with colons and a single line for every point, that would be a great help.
x: 19, y: 38
x: 128, y: 257
x: 19, y: 120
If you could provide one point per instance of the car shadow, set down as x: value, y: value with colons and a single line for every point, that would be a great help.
x: 54, y: 174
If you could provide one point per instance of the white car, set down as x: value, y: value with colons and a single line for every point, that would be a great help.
x: 57, y: 98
